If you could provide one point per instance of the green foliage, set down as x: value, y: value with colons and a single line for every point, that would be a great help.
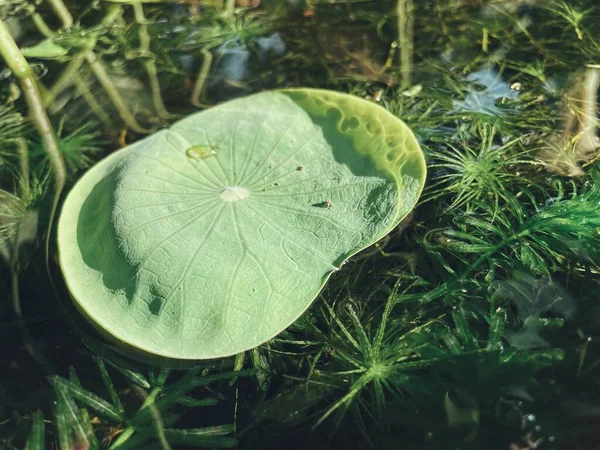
x: 483, y: 176
x: 149, y: 425
x: 378, y: 356
x: 469, y: 326
x: 36, y: 439
x: 12, y: 209
x: 563, y: 230
x: 12, y: 126
x: 78, y: 148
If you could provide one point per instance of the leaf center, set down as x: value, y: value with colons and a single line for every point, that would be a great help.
x: 234, y: 193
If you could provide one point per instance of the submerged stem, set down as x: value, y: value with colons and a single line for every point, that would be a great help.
x: 21, y: 69
x: 102, y: 75
x: 69, y: 75
x: 29, y: 343
x: 149, y: 64
x: 97, y: 66
x: 61, y: 10
x: 96, y: 107
x: 202, y: 77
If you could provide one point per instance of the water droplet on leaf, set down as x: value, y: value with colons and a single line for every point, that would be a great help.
x: 199, y: 152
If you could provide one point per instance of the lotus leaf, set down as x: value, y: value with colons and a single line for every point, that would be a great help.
x: 211, y: 237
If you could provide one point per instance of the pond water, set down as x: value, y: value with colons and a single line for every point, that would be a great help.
x: 473, y: 324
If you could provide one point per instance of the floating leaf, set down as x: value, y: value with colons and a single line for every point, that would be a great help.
x: 190, y: 257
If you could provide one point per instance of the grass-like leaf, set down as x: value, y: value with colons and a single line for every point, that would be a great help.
x: 37, y: 435
x: 89, y: 399
x: 210, y: 437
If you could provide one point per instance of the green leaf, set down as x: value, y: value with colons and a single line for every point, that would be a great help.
x: 497, y: 321
x: 83, y: 415
x: 210, y: 238
x: 136, y: 377
x: 452, y: 343
x: 159, y: 379
x: 86, y: 425
x: 195, y: 402
x: 35, y: 441
x: 263, y: 374
x: 532, y: 260
x: 209, y: 437
x: 464, y: 331
x: 71, y: 431
x: 136, y: 439
x: 110, y: 387
x: 239, y: 361
x: 238, y: 364
x: 175, y: 392
x: 88, y: 398
x: 534, y: 360
x: 45, y: 50
x: 64, y: 438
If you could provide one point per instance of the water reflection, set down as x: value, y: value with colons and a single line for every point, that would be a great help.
x: 487, y: 88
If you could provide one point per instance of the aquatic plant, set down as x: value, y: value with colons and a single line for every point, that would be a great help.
x: 267, y: 195
x: 486, y: 291
x: 76, y: 411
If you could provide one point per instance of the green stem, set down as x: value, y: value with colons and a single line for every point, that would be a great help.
x: 202, y: 77
x: 23, y: 152
x: 113, y: 13
x: 14, y: 286
x: 404, y: 11
x: 149, y: 65
x: 485, y: 40
x: 71, y: 72
x: 65, y: 78
x: 17, y: 63
x: 112, y: 92
x: 61, y: 10
x: 131, y: 429
x: 230, y: 7
x: 96, y: 107
x: 98, y: 68
x: 149, y: 401
x: 29, y: 343
x: 41, y: 25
